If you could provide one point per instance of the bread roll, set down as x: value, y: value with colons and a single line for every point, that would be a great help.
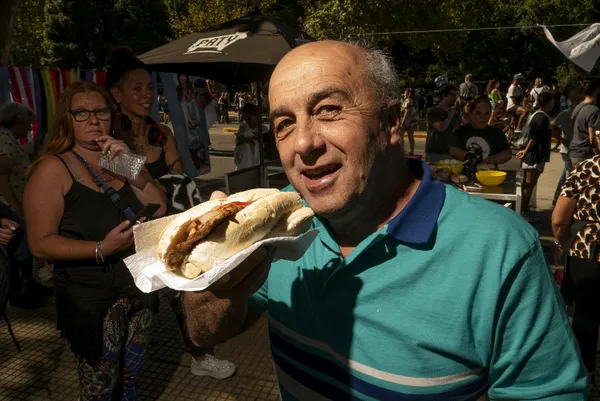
x: 294, y: 224
x: 177, y: 230
x: 251, y: 225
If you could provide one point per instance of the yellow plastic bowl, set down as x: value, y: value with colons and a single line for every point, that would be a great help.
x: 451, y: 164
x: 490, y: 178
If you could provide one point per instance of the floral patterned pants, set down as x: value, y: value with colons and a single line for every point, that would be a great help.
x: 125, y: 333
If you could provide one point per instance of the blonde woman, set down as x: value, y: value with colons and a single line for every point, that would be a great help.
x: 76, y: 213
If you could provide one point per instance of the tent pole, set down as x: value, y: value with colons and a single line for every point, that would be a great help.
x: 260, y: 135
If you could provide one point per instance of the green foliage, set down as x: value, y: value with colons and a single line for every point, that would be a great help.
x: 193, y: 16
x: 83, y: 36
x: 29, y: 33
x: 568, y: 75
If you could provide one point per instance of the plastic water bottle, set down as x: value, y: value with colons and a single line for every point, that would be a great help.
x: 125, y: 163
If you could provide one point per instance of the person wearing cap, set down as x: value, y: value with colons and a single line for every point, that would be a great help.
x: 515, y: 100
x: 412, y: 289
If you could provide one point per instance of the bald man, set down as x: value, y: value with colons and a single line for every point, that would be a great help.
x: 412, y: 290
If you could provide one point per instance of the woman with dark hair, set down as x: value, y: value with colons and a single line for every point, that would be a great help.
x: 477, y: 140
x: 131, y: 89
x: 130, y: 86
x: 78, y: 215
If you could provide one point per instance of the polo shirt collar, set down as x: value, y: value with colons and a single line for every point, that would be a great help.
x: 417, y: 220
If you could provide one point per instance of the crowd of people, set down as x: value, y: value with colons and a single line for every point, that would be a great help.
x: 411, y: 287
x: 537, y: 115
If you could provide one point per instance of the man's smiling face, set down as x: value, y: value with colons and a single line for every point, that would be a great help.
x: 328, y: 124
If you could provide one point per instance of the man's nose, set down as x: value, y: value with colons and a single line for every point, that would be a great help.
x: 308, y: 139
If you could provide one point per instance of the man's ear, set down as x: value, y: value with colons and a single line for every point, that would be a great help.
x: 394, y: 121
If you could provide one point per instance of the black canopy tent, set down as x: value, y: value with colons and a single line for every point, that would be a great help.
x: 241, y: 51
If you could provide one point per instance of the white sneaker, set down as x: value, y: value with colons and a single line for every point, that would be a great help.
x: 213, y: 367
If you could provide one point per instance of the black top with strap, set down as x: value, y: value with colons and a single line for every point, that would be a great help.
x: 84, y: 289
x: 159, y: 167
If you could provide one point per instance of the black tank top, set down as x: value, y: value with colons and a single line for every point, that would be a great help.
x: 90, y: 215
x: 159, y: 167
x: 85, y: 290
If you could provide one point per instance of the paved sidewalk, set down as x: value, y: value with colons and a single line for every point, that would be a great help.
x: 45, y: 368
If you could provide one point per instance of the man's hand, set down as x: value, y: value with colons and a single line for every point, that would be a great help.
x: 521, y: 154
x: 246, y: 278
x: 8, y: 231
x: 471, y: 158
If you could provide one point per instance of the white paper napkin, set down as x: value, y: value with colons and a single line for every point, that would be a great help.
x: 150, y: 274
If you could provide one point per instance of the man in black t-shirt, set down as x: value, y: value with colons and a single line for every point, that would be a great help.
x: 537, y: 151
x: 441, y: 122
x: 478, y: 140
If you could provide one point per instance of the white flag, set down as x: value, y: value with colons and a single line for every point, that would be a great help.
x: 583, y: 49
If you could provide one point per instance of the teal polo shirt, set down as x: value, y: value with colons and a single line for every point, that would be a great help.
x: 452, y: 300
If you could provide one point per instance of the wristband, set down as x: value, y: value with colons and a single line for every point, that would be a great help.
x: 99, y: 254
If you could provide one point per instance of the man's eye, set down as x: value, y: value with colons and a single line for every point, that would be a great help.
x: 283, y: 125
x: 329, y: 109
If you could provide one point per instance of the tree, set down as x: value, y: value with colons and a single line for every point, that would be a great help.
x: 83, y: 36
x: 195, y: 15
x: 28, y: 36
x: 8, y: 11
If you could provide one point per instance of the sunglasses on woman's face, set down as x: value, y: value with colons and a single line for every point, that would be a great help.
x: 81, y: 115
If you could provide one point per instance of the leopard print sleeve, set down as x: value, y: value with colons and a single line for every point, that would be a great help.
x: 583, y: 185
x: 571, y: 188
